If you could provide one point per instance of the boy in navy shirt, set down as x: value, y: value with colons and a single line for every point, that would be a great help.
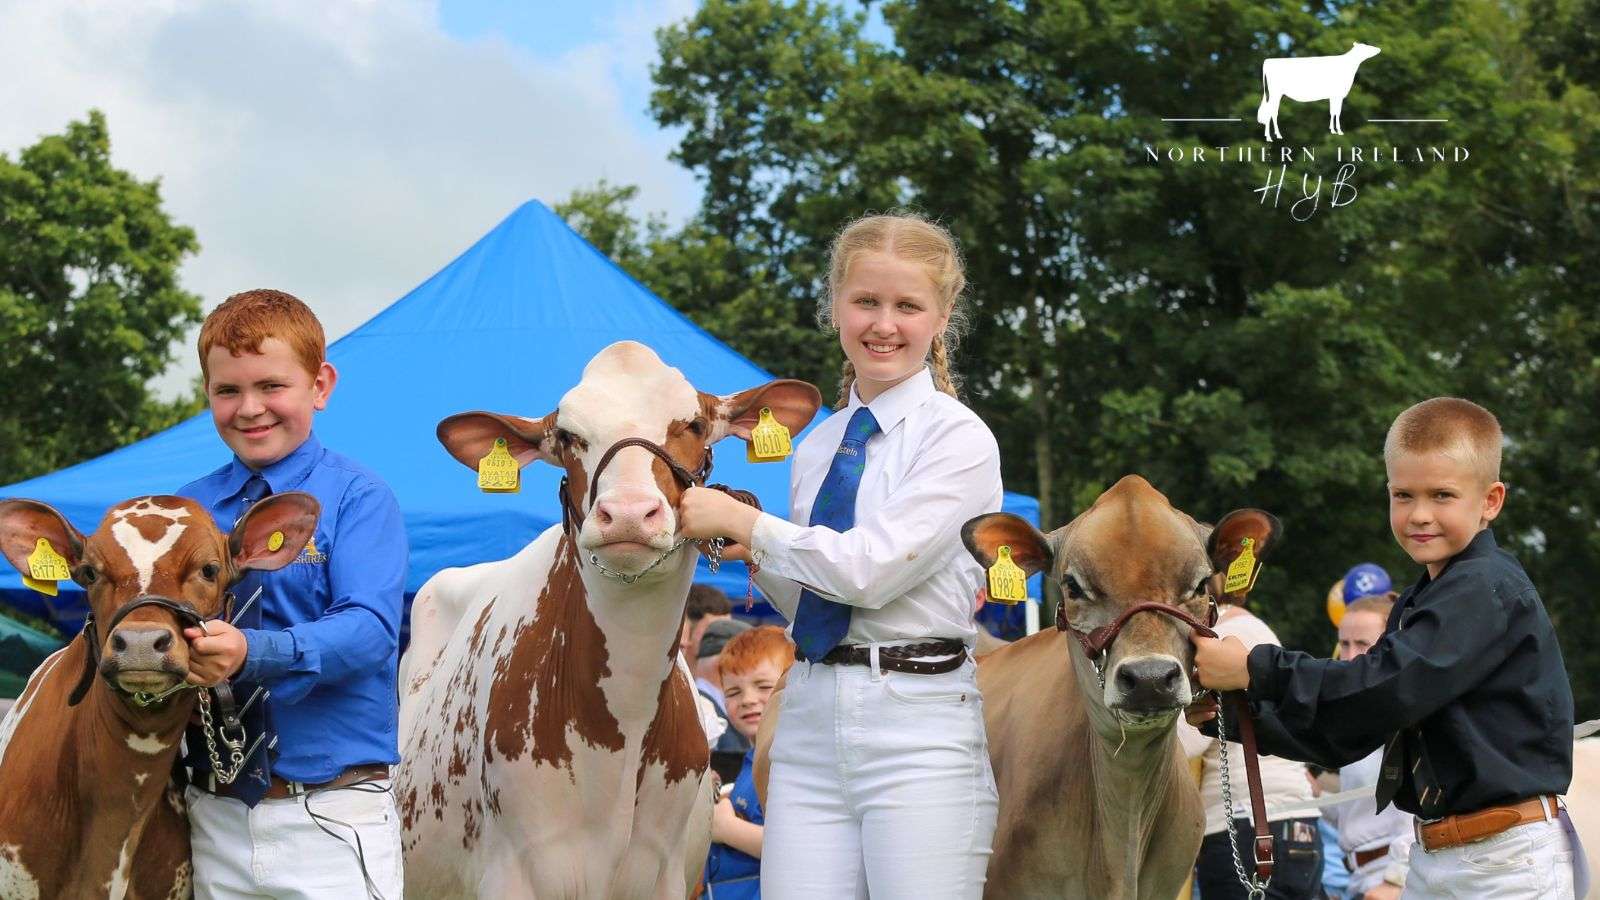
x: 312, y: 659
x: 1465, y: 691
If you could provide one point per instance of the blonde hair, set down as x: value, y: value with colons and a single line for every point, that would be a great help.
x: 1459, y: 429
x: 911, y: 237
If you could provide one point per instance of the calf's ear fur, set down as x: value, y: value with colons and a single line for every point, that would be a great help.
x: 1227, y: 542
x: 23, y: 522
x: 469, y: 437
x: 1030, y: 549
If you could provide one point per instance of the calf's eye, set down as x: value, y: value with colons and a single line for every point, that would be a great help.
x: 210, y: 571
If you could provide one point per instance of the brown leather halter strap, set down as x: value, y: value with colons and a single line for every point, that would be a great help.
x: 185, y: 612
x: 571, y: 520
x: 1095, y: 645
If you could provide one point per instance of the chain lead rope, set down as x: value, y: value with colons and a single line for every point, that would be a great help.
x: 1254, y: 888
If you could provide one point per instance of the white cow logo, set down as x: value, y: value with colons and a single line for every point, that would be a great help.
x: 1309, y: 78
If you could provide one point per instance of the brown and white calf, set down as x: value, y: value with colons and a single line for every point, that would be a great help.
x: 86, y: 804
x: 550, y: 746
x: 1096, y: 799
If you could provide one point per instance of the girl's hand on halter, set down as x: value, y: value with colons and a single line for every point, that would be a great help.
x: 1221, y: 665
x: 704, y: 514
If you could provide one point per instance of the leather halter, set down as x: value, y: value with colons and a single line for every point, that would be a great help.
x: 1097, y: 642
x: 185, y: 612
x: 572, y: 521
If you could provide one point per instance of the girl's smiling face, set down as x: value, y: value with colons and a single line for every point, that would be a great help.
x: 888, y: 313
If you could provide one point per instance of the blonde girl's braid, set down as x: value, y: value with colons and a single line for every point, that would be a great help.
x: 847, y: 377
x: 911, y: 237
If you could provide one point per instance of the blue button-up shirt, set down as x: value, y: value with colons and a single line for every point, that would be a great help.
x: 328, y: 644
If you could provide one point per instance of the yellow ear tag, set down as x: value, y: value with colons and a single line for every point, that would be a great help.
x: 275, y: 541
x: 1007, y: 582
x: 1242, y: 571
x: 769, y: 440
x: 498, y: 473
x: 45, y: 568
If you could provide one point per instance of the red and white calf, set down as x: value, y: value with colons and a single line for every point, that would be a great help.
x: 86, y: 806
x: 550, y: 745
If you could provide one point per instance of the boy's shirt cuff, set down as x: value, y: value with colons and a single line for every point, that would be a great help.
x: 1265, y: 674
x: 268, y: 655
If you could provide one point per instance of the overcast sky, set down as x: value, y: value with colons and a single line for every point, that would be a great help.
x: 343, y: 150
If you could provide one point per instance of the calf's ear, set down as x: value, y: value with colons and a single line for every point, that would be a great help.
x: 469, y: 437
x: 24, y: 522
x: 274, y: 531
x: 793, y: 403
x: 1030, y: 549
x: 1227, y: 539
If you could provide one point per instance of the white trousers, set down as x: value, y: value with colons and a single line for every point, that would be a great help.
x: 880, y: 784
x: 276, y: 849
x: 1532, y: 861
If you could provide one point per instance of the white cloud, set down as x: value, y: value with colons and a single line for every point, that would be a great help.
x: 345, y: 150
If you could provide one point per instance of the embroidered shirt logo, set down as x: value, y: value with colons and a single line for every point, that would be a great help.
x: 311, y: 554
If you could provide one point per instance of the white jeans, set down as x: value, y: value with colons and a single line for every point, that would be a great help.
x: 880, y: 783
x: 1532, y: 861
x: 276, y: 849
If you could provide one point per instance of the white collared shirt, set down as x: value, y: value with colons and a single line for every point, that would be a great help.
x: 933, y: 466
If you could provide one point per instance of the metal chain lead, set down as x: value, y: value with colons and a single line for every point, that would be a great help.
x: 235, y: 747
x: 1256, y: 890
x: 714, y: 551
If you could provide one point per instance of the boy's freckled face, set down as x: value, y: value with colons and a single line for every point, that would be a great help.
x: 747, y: 693
x: 1437, y: 505
x: 262, y: 403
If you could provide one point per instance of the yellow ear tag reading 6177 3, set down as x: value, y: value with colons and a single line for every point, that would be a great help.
x: 498, y: 473
x: 1007, y: 582
x: 45, y: 568
x: 1242, y: 571
x: 769, y: 440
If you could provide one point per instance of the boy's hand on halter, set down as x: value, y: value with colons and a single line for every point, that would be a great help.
x: 1221, y: 664
x: 216, y: 653
x: 704, y: 514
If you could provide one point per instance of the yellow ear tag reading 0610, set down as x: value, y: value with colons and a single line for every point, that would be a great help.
x: 1007, y: 582
x: 769, y: 440
x: 498, y: 472
x: 1242, y: 571
x: 45, y: 568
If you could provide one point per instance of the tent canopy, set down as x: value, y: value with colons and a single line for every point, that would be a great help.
x: 507, y: 327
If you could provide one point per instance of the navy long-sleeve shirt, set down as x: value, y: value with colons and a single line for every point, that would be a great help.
x: 1468, y: 671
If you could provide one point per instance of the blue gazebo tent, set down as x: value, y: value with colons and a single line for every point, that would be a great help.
x: 506, y: 327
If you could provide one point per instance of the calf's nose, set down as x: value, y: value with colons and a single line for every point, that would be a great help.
x: 1150, y: 683
x: 141, y: 648
x: 645, y: 514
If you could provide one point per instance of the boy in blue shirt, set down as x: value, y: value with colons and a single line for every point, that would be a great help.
x: 313, y: 648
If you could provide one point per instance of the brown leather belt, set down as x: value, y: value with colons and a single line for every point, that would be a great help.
x: 1453, y: 831
x: 899, y: 658
x: 1360, y: 858
x: 282, y: 790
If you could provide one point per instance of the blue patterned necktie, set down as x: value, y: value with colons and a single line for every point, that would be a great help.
x: 256, y: 776
x: 820, y: 624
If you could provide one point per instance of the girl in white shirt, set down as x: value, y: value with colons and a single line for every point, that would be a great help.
x: 880, y: 780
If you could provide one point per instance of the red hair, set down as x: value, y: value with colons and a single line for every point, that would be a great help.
x: 246, y: 319
x: 749, y: 649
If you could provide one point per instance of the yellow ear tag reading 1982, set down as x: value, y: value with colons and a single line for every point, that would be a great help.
x: 1007, y: 582
x: 45, y: 568
x: 498, y: 473
x: 1242, y: 571
x: 769, y: 440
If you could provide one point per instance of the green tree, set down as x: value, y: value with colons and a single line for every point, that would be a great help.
x: 1146, y: 316
x: 89, y: 302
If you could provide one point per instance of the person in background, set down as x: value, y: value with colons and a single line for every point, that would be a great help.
x: 705, y: 605
x: 1376, y: 845
x: 751, y: 665
x: 729, y: 749
x: 1296, y: 844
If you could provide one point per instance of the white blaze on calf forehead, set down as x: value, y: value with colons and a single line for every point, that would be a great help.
x: 626, y: 391
x: 142, y: 552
